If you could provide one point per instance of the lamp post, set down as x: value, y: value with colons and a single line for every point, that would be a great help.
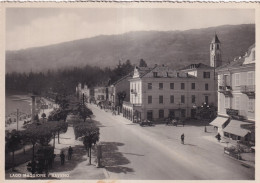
x: 17, y: 114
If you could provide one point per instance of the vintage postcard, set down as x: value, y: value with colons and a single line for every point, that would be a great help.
x: 106, y: 92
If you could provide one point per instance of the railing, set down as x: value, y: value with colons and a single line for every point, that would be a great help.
x: 247, y: 88
x: 224, y: 88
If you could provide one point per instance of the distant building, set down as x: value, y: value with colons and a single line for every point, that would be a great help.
x: 80, y: 91
x: 122, y: 85
x: 100, y: 93
x: 236, y: 97
x: 159, y: 92
x: 215, y: 52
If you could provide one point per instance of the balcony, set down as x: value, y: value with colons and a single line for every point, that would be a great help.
x: 249, y: 90
x: 226, y: 90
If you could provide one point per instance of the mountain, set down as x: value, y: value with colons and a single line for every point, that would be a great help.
x: 174, y: 48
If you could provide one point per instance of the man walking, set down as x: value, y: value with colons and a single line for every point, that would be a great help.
x: 182, y: 138
x: 70, y: 151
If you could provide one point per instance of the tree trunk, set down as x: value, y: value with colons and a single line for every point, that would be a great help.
x: 33, y: 153
x: 58, y: 137
x: 90, y: 155
x: 13, y: 161
x: 54, y: 140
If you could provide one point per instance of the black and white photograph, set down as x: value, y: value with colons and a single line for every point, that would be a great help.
x: 122, y: 92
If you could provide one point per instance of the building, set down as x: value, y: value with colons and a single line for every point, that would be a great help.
x: 159, y: 92
x: 100, y: 93
x: 236, y: 97
x: 122, y: 86
x: 80, y: 91
x: 215, y: 52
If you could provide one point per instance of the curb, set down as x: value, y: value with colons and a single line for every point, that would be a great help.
x: 105, y: 173
x: 242, y: 163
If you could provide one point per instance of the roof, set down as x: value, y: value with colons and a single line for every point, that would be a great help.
x: 238, y: 61
x: 215, y: 39
x: 197, y: 66
x: 163, y: 71
x: 219, y: 121
x: 234, y: 127
x: 123, y: 78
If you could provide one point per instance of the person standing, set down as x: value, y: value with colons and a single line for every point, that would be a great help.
x: 182, y: 138
x: 62, y: 158
x: 70, y: 151
x: 218, y: 137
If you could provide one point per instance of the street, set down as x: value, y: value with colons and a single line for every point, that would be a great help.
x: 156, y: 153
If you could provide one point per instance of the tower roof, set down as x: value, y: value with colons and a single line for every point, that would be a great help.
x: 215, y: 39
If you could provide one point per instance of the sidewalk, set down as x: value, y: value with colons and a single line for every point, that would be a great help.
x: 77, y: 168
x: 248, y: 159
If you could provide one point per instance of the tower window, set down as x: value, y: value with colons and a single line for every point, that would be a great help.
x: 217, y: 46
x: 212, y: 47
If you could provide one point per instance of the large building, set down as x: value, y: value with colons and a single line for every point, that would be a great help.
x: 160, y: 92
x: 236, y: 98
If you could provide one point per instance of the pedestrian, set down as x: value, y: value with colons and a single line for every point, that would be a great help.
x: 62, y: 158
x: 218, y: 137
x: 70, y: 151
x: 183, y: 123
x: 182, y: 138
x: 205, y: 130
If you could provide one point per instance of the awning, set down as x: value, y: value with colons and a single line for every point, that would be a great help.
x: 219, y: 121
x: 234, y: 127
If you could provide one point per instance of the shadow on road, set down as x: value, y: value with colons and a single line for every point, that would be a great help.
x: 189, y: 144
x: 113, y: 160
x: 78, y: 156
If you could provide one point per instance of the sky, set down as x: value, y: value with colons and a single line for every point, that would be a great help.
x: 33, y: 27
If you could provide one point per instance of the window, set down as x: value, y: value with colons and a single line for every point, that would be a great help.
x: 183, y: 113
x: 251, y: 105
x: 217, y: 46
x: 182, y: 99
x: 150, y: 99
x: 160, y: 99
x: 155, y: 74
x: 171, y: 113
x: 206, y: 74
x: 237, y: 79
x: 193, y: 99
x: 212, y: 46
x: 193, y: 86
x: 207, y: 99
x: 160, y: 86
x: 172, y: 99
x: 150, y: 86
x: 172, y: 86
x: 251, y: 78
x: 206, y: 86
x: 227, y: 100
x: 161, y: 113
x: 182, y: 86
x: 237, y: 102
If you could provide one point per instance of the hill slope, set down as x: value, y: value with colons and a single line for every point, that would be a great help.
x: 174, y: 48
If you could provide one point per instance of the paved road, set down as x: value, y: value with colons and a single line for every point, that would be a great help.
x: 144, y: 153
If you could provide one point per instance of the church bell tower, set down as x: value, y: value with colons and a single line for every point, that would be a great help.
x: 215, y: 52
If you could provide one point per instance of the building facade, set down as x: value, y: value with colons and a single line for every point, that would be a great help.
x: 236, y: 97
x: 122, y: 86
x: 160, y: 92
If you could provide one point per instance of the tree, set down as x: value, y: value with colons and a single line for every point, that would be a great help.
x: 90, y: 135
x: 38, y: 133
x: 36, y: 118
x: 142, y: 63
x: 43, y: 115
x: 121, y: 97
x: 13, y: 141
x: 84, y: 112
